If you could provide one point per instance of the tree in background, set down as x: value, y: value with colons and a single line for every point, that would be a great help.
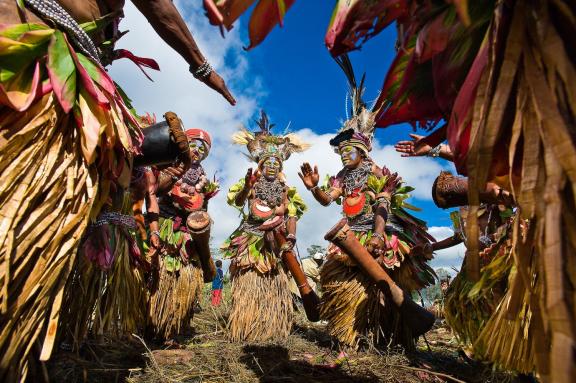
x: 434, y: 292
x: 315, y: 249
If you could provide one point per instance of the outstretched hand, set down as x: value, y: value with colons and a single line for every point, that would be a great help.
x: 177, y: 171
x: 309, y: 176
x: 413, y: 148
x: 214, y: 81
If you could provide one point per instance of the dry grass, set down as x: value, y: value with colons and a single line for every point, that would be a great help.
x: 172, y: 303
x: 308, y: 355
x: 261, y: 307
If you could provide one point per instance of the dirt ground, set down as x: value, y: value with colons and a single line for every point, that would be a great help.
x: 309, y: 355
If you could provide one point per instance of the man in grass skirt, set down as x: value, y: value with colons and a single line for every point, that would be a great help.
x: 373, y: 204
x: 261, y: 299
x: 180, y: 231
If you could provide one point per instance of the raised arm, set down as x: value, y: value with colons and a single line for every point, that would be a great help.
x: 310, y: 178
x: 447, y: 242
x: 168, y: 23
x: 249, y: 181
x: 421, y: 146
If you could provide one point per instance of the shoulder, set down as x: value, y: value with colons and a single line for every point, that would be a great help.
x: 341, y: 174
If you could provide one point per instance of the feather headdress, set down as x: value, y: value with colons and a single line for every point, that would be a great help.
x: 263, y: 144
x: 358, y: 130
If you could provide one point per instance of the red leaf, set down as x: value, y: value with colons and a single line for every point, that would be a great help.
x: 263, y: 19
x: 356, y: 19
x: 139, y: 61
x: 459, y: 125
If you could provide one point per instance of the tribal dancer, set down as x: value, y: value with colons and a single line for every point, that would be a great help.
x: 65, y: 136
x: 372, y: 199
x: 107, y: 294
x: 261, y: 299
x: 180, y: 223
x: 479, y: 312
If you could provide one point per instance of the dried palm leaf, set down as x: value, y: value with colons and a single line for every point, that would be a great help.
x: 261, y: 306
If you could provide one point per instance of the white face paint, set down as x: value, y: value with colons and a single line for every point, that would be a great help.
x: 198, y: 150
x: 350, y: 156
x: 271, y: 168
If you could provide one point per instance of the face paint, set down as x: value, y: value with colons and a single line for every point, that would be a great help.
x: 271, y: 167
x: 350, y: 156
x: 197, y: 150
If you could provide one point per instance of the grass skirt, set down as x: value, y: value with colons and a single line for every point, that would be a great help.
x: 357, y: 312
x: 495, y: 315
x: 468, y: 305
x: 508, y: 338
x: 261, y: 306
x: 172, y: 302
x: 52, y: 159
x: 107, y: 302
x: 46, y: 195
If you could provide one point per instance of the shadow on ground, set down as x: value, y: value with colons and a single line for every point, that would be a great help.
x: 272, y: 363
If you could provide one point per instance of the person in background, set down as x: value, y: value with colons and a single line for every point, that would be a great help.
x: 217, y: 284
x: 311, y: 267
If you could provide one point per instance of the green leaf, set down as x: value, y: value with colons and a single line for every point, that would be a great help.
x: 406, y: 205
x: 99, y: 24
x: 19, y: 47
x: 62, y: 71
x: 405, y: 189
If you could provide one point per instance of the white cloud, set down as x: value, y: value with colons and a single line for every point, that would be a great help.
x: 447, y: 258
x: 174, y: 89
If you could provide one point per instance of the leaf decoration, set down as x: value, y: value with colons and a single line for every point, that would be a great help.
x: 62, y: 71
x: 353, y: 20
x: 139, y: 61
x: 21, y: 89
x: 91, y: 120
x: 266, y: 15
x: 437, y: 50
x: 225, y: 12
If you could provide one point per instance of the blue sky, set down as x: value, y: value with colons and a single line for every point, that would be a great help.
x: 307, y: 88
x: 292, y: 76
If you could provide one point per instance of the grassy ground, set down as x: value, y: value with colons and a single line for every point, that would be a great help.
x: 309, y: 355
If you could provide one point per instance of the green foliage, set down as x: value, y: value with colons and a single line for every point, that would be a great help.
x: 434, y: 292
x: 315, y: 249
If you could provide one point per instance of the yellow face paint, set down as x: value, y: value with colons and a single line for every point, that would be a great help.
x: 271, y: 167
x: 350, y: 155
x: 198, y: 150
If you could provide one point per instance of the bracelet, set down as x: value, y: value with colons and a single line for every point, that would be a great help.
x: 202, y: 71
x: 435, y: 152
x: 384, y: 201
x: 379, y: 236
x: 291, y: 236
x: 155, y: 232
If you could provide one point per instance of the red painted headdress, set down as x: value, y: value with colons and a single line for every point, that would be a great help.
x: 199, y: 134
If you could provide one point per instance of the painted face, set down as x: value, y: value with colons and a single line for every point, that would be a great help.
x: 271, y: 167
x: 198, y: 150
x: 351, y: 156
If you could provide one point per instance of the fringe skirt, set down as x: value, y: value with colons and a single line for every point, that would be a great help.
x: 261, y: 306
x: 109, y: 303
x: 357, y: 312
x: 172, y: 302
x: 46, y: 196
